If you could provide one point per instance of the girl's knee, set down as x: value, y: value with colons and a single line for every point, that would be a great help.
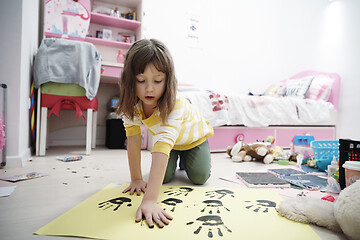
x: 168, y: 177
x: 199, y: 178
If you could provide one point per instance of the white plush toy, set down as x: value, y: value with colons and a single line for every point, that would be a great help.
x: 341, y: 215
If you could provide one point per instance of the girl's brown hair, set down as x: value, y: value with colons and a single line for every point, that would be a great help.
x: 140, y: 54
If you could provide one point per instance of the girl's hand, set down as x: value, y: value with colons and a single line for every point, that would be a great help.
x: 138, y: 186
x: 152, y: 213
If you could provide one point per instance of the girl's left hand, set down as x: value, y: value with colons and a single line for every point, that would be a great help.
x: 152, y: 213
x: 137, y: 186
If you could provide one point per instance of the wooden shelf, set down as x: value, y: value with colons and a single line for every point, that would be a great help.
x: 106, y: 20
x: 108, y: 43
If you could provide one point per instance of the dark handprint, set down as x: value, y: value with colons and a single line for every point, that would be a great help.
x: 115, y: 202
x: 212, y: 204
x: 179, y: 191
x: 171, y: 202
x: 209, y: 222
x: 219, y: 193
x: 266, y: 204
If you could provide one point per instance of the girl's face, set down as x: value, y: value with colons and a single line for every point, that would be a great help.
x: 150, y: 86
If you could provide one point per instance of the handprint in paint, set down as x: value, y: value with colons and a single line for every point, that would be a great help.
x: 210, y: 223
x: 219, y: 193
x: 179, y: 191
x: 212, y: 205
x: 115, y: 202
x: 171, y: 202
x: 261, y: 205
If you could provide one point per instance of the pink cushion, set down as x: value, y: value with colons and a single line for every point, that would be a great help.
x: 57, y: 102
x: 48, y: 100
x: 297, y: 87
x: 320, y: 88
x: 335, y: 90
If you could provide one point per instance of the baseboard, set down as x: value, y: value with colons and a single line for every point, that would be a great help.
x: 18, y: 161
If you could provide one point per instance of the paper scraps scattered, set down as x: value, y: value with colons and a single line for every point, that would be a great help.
x: 26, y: 176
x: 6, y: 191
x: 69, y: 158
x: 287, y: 192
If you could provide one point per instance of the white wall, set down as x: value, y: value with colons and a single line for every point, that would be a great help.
x: 245, y: 45
x: 19, y: 41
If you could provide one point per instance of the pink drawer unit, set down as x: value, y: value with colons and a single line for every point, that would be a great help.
x: 228, y: 136
x: 284, y: 136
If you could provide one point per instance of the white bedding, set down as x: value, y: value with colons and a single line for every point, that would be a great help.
x: 260, y: 111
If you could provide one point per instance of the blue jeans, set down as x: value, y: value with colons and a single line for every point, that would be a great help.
x: 196, y: 162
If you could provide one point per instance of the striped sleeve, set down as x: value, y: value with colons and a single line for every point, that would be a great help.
x: 132, y: 127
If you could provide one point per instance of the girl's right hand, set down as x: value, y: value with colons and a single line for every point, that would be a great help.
x: 137, y: 186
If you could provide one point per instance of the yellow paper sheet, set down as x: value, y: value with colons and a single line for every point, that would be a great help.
x: 198, y: 212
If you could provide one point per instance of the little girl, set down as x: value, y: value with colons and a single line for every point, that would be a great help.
x: 148, y: 96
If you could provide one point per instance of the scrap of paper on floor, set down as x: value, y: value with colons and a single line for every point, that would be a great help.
x: 6, y: 191
x: 287, y: 192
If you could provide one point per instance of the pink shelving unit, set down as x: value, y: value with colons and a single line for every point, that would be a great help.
x: 106, y: 20
x: 111, y: 71
x: 108, y: 43
x: 57, y: 35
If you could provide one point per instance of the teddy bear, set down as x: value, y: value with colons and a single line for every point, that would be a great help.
x: 247, y: 152
x: 342, y: 215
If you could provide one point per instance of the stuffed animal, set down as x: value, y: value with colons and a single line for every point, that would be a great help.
x: 248, y: 152
x: 341, y: 215
x: 277, y: 151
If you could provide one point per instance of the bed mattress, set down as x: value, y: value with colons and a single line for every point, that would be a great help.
x: 261, y: 111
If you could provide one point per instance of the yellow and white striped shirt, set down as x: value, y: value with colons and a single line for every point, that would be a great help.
x: 185, y: 128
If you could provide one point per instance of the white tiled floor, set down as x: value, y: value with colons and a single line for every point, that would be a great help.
x: 36, y: 202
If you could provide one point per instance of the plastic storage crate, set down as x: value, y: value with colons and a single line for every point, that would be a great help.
x: 324, y: 152
x: 349, y: 151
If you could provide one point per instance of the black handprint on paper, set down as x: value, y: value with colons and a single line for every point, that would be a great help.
x: 171, y: 202
x: 262, y: 204
x: 179, y: 191
x: 219, y: 193
x: 210, y: 222
x: 212, y: 204
x: 115, y: 202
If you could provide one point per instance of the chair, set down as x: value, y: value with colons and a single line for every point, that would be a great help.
x: 67, y: 96
x: 66, y: 69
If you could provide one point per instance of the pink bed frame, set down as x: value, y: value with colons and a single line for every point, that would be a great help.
x: 229, y: 135
x: 335, y: 91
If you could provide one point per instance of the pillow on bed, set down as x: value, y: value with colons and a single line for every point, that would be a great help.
x: 272, y: 90
x: 320, y: 88
x: 297, y: 87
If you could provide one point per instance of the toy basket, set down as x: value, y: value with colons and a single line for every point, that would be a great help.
x: 324, y: 152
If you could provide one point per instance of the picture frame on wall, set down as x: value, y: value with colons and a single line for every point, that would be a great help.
x: 107, y: 34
